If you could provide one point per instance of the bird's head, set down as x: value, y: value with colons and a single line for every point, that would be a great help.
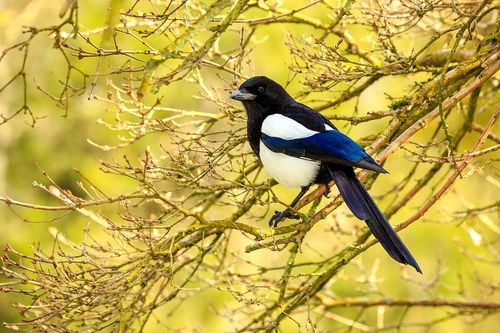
x: 262, y: 91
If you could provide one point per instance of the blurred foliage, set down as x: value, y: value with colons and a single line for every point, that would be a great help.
x: 149, y: 212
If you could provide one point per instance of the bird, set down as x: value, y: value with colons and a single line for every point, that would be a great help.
x: 299, y: 147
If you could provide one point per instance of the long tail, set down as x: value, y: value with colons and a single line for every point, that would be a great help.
x: 363, y: 207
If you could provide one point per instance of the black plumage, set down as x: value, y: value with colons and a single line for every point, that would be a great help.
x: 289, y: 136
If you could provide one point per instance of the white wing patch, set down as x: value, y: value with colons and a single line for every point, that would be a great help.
x: 280, y: 126
x: 328, y: 127
x: 287, y: 170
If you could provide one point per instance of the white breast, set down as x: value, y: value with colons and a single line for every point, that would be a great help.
x: 287, y: 170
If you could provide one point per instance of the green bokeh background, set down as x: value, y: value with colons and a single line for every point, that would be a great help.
x: 57, y: 144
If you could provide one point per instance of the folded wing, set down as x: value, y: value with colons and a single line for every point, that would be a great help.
x: 331, y: 146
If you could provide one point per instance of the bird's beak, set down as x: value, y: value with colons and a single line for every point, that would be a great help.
x: 242, y: 95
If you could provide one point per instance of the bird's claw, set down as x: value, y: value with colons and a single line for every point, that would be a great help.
x: 327, y: 191
x: 278, y: 216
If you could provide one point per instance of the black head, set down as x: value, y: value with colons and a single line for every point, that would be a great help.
x: 260, y: 90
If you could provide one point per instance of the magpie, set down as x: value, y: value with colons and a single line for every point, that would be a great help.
x: 298, y: 146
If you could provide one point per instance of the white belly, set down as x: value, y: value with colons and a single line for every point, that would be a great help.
x: 287, y: 170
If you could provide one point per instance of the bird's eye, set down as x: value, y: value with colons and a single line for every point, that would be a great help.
x: 260, y: 89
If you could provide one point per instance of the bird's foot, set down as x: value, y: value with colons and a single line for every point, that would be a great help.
x: 327, y: 192
x: 278, y: 216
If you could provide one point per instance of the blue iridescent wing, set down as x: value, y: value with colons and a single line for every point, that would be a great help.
x: 331, y: 146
